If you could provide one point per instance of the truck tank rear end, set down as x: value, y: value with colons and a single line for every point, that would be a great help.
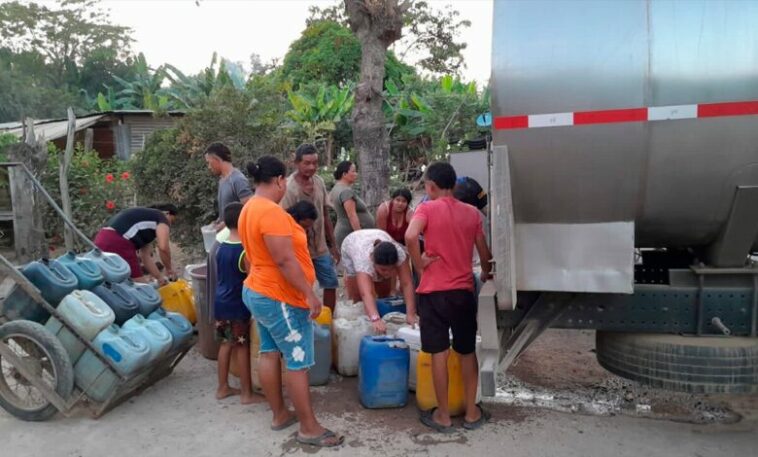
x: 619, y: 126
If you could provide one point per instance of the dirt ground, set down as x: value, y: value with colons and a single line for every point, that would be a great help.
x: 180, y: 416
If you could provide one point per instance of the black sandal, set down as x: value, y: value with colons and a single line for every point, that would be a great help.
x: 484, y: 417
x: 427, y: 418
x: 322, y: 440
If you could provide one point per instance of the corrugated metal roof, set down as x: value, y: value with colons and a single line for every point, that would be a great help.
x: 53, y: 129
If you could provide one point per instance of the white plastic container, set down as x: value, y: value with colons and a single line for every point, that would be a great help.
x: 209, y: 236
x: 346, y: 309
x: 394, y: 322
x: 87, y: 313
x: 412, y: 336
x: 347, y: 336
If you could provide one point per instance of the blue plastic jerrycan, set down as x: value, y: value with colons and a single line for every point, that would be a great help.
x: 145, y: 295
x: 120, y: 300
x: 112, y: 266
x: 157, y: 337
x: 124, y: 348
x: 178, y: 325
x: 383, y: 372
x: 86, y: 270
x: 390, y: 305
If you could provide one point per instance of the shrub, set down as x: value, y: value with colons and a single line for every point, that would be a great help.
x: 98, y: 188
x: 172, y: 167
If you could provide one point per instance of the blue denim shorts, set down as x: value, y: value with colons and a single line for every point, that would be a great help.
x: 326, y: 273
x: 282, y: 328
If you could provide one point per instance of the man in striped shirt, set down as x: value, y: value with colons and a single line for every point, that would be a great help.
x: 130, y: 234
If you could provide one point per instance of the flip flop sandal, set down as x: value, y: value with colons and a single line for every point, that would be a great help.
x: 483, y: 418
x: 287, y: 424
x: 427, y: 418
x: 321, y: 440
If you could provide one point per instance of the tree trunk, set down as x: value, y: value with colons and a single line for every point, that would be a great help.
x: 377, y: 24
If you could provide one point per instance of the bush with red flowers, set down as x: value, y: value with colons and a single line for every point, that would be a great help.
x: 98, y: 188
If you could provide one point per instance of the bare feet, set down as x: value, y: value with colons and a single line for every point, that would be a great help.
x: 249, y: 398
x: 226, y: 391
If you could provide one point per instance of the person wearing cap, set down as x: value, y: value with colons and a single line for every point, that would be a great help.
x: 130, y: 234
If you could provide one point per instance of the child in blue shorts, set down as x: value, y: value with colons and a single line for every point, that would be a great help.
x: 231, y: 315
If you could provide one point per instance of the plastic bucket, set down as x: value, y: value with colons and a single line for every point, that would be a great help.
x: 209, y: 236
x: 204, y: 289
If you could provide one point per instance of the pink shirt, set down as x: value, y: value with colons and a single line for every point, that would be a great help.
x: 450, y: 233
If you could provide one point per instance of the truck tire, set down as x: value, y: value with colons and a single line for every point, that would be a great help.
x: 682, y: 363
x: 47, y: 356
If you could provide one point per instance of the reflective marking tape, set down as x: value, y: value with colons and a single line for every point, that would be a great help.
x: 653, y: 113
x: 663, y: 113
x: 551, y: 120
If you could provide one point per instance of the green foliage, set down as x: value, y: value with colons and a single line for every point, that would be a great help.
x: 6, y: 139
x: 172, y: 166
x: 431, y: 37
x: 192, y: 91
x: 427, y: 116
x: 98, y: 189
x: 48, y: 55
x: 328, y: 52
x: 317, y: 111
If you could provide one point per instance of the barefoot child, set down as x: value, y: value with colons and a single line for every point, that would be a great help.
x: 232, y: 317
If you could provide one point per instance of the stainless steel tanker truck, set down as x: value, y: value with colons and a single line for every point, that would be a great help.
x: 623, y: 182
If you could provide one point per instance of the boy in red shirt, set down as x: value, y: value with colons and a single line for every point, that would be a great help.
x: 451, y: 230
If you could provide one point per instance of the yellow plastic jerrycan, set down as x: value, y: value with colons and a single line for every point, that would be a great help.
x: 178, y: 297
x: 325, y: 318
x: 425, y: 395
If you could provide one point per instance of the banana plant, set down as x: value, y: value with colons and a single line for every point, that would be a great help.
x: 191, y: 91
x: 317, y: 115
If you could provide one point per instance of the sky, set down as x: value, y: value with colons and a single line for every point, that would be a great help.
x: 186, y: 35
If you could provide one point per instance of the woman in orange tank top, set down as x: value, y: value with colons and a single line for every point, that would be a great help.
x: 279, y: 294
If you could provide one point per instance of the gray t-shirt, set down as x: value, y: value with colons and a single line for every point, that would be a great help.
x: 232, y: 188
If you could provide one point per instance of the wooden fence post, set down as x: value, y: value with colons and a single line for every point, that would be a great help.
x: 64, y: 163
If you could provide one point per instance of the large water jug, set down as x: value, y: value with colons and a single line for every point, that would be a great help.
x: 178, y: 325
x: 88, y: 274
x: 119, y: 299
x: 390, y: 305
x: 394, y: 321
x: 325, y: 317
x: 54, y: 282
x: 53, y: 279
x: 383, y: 373
x: 425, y: 394
x: 347, y: 336
x: 123, y: 348
x: 145, y: 295
x: 318, y: 375
x: 87, y: 314
x: 112, y: 266
x: 178, y: 297
x: 348, y: 310
x: 412, y: 337
x: 157, y: 337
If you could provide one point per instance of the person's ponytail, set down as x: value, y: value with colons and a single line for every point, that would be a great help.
x: 266, y: 169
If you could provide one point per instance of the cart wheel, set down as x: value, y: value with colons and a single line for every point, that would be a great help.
x: 48, y: 358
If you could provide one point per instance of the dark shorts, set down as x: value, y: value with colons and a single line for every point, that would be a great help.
x: 442, y: 311
x: 108, y: 240
x: 236, y: 332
